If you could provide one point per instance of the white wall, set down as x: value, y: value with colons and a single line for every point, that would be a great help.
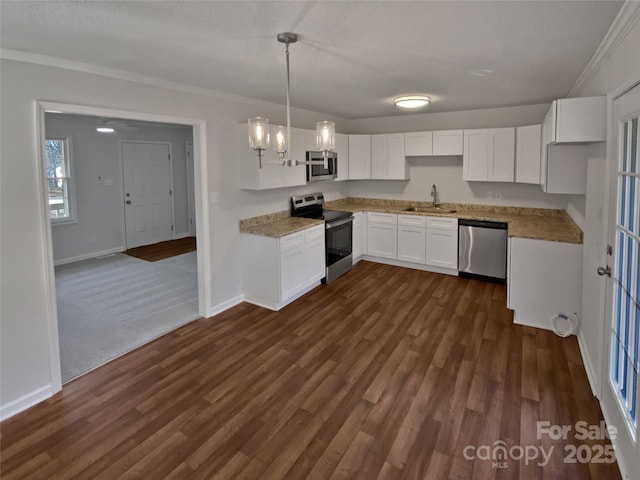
x: 620, y: 69
x: 99, y: 206
x: 446, y: 172
x: 25, y: 366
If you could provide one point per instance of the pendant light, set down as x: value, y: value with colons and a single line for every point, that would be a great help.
x: 259, y: 136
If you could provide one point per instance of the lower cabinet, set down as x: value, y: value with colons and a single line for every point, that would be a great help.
x: 382, y: 235
x: 276, y: 271
x: 416, y: 239
x: 543, y: 281
x: 359, y: 240
x: 442, y: 242
x: 412, y: 238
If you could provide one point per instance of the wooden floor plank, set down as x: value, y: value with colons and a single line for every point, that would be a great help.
x: 386, y: 373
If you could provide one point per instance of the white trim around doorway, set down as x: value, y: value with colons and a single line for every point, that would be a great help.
x: 202, y: 213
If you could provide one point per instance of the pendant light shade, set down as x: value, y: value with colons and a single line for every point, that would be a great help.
x: 280, y: 137
x: 326, y: 136
x: 259, y: 133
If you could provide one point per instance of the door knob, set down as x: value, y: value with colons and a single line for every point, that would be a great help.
x: 602, y: 271
x: 128, y: 202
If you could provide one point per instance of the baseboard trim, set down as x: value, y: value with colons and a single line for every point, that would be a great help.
x: 415, y: 266
x: 227, y: 304
x: 26, y: 401
x: 88, y: 256
x: 588, y: 366
x: 533, y: 319
x: 178, y: 236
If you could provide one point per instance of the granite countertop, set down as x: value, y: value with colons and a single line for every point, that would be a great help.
x: 277, y: 224
x: 534, y: 223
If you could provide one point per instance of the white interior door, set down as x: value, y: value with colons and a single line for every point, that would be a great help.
x: 622, y: 332
x: 191, y: 196
x: 147, y: 193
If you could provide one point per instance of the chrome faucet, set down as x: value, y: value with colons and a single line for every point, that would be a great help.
x: 434, y: 195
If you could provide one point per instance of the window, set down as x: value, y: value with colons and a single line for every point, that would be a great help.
x: 625, y: 337
x: 59, y: 180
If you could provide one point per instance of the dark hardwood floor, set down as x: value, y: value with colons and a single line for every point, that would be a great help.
x: 387, y: 373
x: 162, y: 250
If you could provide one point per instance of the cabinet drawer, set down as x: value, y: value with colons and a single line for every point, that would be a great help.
x: 291, y: 241
x: 313, y: 233
x: 412, y: 220
x: 443, y: 223
x: 386, y: 218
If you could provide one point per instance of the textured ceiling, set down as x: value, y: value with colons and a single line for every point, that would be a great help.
x: 353, y: 59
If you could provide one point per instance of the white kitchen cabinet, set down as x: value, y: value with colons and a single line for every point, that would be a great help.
x: 388, y: 161
x: 489, y: 155
x: 578, y: 120
x: 379, y: 157
x: 418, y: 144
x: 412, y: 238
x: 543, y: 280
x: 476, y: 155
x: 291, y: 273
x: 448, y: 142
x: 359, y: 157
x: 342, y: 149
x: 252, y: 177
x: 276, y: 271
x: 528, y: 154
x: 382, y: 235
x: 313, y: 262
x: 442, y: 242
x: 359, y: 239
x: 311, y: 144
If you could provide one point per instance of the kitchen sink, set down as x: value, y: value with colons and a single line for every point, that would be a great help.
x: 430, y: 210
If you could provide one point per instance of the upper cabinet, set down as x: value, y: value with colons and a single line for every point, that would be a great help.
x: 489, y: 155
x: 577, y: 120
x: 569, y: 124
x: 388, y: 161
x: 342, y: 149
x: 528, y: 154
x: 440, y: 143
x: 359, y: 148
x: 418, y: 144
x: 448, y: 142
x: 252, y: 177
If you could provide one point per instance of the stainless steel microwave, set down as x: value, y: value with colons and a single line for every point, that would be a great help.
x: 319, y: 172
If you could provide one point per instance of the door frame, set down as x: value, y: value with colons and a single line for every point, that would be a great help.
x: 203, y: 219
x: 171, y: 186
x: 190, y: 173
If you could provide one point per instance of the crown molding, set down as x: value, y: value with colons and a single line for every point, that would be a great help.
x: 38, y: 59
x: 626, y: 19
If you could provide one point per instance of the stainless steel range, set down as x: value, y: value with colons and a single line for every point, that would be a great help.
x: 338, y: 232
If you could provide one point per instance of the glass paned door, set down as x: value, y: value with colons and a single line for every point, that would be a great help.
x: 625, y: 337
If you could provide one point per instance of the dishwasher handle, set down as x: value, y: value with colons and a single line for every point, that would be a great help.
x: 483, y: 224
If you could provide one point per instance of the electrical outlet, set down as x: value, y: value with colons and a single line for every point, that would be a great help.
x: 92, y: 240
x: 498, y: 197
x: 489, y: 195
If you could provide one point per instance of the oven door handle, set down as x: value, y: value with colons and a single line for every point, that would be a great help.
x: 338, y: 223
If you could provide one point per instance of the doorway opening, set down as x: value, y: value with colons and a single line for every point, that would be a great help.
x: 105, y: 302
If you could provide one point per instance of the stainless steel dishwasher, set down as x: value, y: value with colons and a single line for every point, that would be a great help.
x: 482, y: 250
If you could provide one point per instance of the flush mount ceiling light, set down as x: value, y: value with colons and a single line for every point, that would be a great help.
x: 411, y: 101
x: 260, y: 136
x: 104, y: 130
